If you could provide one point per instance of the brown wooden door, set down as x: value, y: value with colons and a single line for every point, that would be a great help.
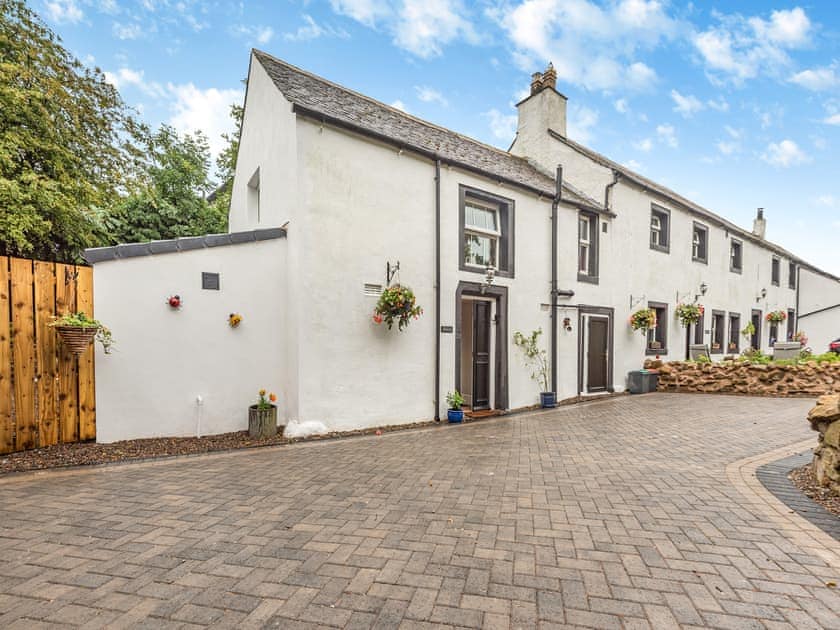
x: 481, y: 355
x: 596, y: 355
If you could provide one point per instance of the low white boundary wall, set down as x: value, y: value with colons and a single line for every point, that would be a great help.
x: 165, y: 359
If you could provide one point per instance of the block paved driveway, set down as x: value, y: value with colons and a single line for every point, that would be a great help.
x: 615, y: 514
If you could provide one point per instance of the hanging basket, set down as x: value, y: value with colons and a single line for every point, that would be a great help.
x: 77, y: 338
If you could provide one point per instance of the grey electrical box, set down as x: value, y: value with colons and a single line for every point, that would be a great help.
x: 209, y: 281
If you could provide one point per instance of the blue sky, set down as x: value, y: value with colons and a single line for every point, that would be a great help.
x: 735, y: 105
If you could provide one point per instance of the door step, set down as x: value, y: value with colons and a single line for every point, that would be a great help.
x: 483, y: 413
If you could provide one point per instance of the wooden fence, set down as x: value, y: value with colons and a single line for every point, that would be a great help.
x: 46, y: 392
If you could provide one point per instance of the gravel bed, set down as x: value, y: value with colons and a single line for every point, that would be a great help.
x: 803, y: 478
x: 91, y: 453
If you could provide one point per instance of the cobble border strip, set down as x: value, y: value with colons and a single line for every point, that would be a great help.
x: 774, y: 477
x: 742, y: 475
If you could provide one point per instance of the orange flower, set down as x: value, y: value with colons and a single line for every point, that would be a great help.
x: 272, y: 397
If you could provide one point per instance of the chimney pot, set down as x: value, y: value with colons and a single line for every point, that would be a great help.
x: 549, y: 77
x: 536, y: 82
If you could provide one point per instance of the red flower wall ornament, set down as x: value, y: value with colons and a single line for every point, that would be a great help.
x: 174, y: 302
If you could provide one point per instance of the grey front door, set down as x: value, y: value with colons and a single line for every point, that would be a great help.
x: 481, y: 355
x: 755, y: 341
x: 596, y: 355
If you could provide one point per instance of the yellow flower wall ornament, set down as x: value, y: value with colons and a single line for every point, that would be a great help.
x: 234, y: 319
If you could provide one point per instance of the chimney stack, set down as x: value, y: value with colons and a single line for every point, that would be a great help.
x: 760, y: 224
x: 542, y: 110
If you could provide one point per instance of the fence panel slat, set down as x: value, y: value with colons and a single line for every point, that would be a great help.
x: 23, y: 350
x: 87, y: 396
x: 7, y: 444
x: 46, y: 338
x: 68, y: 399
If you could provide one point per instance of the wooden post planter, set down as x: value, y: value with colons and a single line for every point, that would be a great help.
x: 77, y: 338
x: 262, y: 423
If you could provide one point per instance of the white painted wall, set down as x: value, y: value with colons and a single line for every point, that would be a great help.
x: 163, y: 359
x: 818, y: 292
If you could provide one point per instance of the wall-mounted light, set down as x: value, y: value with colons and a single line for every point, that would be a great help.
x: 761, y: 295
x: 703, y: 288
x: 489, y: 277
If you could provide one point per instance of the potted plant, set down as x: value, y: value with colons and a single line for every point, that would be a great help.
x: 748, y: 331
x: 801, y: 337
x: 537, y: 359
x: 455, y: 414
x: 644, y: 320
x: 396, y: 304
x: 262, y: 417
x: 776, y: 317
x: 77, y: 331
x: 689, y: 314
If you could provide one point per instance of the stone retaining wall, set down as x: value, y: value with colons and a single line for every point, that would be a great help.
x: 808, y: 379
x: 825, y: 418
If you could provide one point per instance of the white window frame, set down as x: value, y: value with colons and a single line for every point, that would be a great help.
x: 495, y: 236
x: 584, y: 243
x: 655, y: 229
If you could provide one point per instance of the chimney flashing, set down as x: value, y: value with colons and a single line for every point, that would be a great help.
x: 532, y: 95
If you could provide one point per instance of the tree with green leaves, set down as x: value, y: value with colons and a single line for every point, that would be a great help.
x: 170, y: 198
x: 226, y: 162
x: 68, y: 142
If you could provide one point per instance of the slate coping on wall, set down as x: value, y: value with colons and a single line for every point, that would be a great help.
x: 774, y: 477
x: 171, y: 246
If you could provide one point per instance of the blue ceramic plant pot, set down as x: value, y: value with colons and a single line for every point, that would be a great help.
x: 548, y: 400
x: 455, y: 415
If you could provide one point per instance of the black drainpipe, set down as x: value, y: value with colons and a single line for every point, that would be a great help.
x: 796, y: 312
x: 558, y: 183
x: 437, y: 290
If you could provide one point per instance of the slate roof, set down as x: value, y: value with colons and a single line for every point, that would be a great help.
x: 313, y: 95
x: 171, y: 246
x: 675, y: 197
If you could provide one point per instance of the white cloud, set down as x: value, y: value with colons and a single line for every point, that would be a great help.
x: 368, y: 12
x: 591, y: 45
x: 786, y: 28
x: 719, y: 105
x: 398, y: 104
x: 205, y: 110
x: 738, y: 48
x: 127, y: 77
x: 667, y: 135
x: 644, y: 145
x: 63, y: 11
x: 430, y: 95
x: 580, y: 121
x: 784, y: 154
x: 827, y: 201
x: 686, y: 105
x: 261, y: 34
x: 503, y: 126
x: 633, y: 165
x: 621, y: 106
x: 816, y: 80
x: 733, y: 133
x: 312, y: 30
x: 728, y: 148
x: 126, y: 31
x: 422, y: 27
x: 834, y: 119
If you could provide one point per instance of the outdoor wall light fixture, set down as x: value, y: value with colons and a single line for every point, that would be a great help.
x: 761, y: 296
x: 489, y: 277
x: 703, y: 288
x: 174, y: 302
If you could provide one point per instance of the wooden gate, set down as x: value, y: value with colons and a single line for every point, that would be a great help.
x: 46, y: 392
